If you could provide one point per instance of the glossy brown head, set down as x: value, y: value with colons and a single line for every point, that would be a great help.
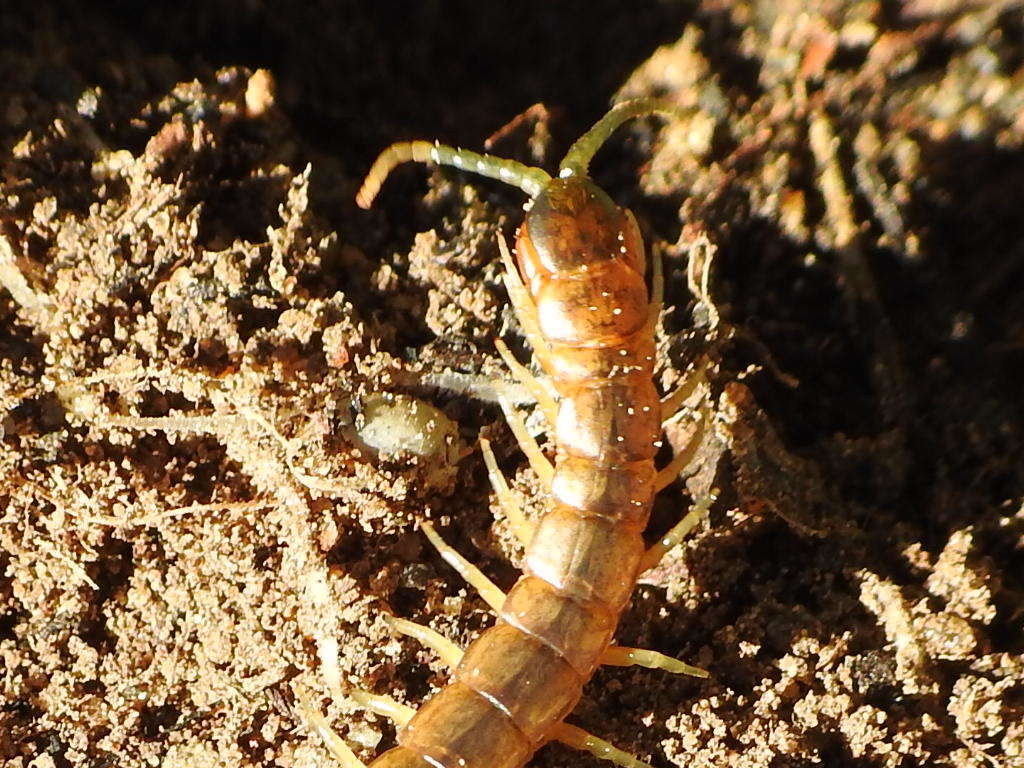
x: 573, y: 223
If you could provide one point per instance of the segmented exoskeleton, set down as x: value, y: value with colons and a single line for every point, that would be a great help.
x: 580, y: 293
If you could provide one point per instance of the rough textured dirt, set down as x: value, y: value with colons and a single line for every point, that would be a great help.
x: 200, y: 335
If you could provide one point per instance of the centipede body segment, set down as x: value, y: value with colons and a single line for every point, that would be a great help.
x: 580, y: 290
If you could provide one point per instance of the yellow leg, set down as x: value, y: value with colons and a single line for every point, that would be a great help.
x: 667, y: 474
x: 544, y: 469
x: 619, y: 656
x: 449, y: 652
x: 334, y: 743
x: 678, y: 532
x: 580, y: 739
x: 670, y: 404
x: 384, y: 706
x: 488, y: 590
x: 523, y: 528
x: 539, y: 388
x: 525, y: 309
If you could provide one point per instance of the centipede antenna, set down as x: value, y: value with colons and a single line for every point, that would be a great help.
x: 577, y: 159
x: 530, y: 180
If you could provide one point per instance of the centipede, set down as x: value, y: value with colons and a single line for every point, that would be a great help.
x: 577, y: 282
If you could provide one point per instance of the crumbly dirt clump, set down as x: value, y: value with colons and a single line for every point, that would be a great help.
x: 204, y: 348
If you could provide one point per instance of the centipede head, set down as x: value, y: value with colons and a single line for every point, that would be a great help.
x: 573, y: 224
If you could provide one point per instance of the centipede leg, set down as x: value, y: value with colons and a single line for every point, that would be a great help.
x: 449, y: 652
x: 620, y: 656
x: 588, y: 742
x: 544, y: 469
x: 667, y: 474
x: 678, y: 532
x: 523, y: 528
x: 539, y: 388
x: 334, y: 743
x: 522, y: 304
x: 488, y: 590
x: 385, y: 706
x: 398, y: 713
x: 670, y: 404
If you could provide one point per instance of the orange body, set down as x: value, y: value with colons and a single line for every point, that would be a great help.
x: 582, y: 260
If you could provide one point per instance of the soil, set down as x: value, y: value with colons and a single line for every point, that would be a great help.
x: 202, y: 518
